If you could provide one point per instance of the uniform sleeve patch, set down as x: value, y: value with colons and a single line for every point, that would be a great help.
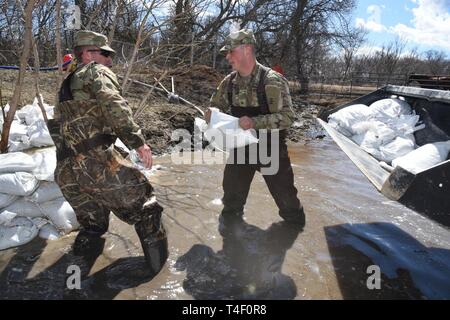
x: 274, y: 100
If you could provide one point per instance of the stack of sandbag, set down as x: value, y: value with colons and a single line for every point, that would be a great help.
x: 28, y: 128
x: 384, y: 129
x: 31, y: 203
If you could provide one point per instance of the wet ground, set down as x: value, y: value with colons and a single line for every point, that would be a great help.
x: 350, y: 227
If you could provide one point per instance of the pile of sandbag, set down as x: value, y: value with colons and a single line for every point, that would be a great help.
x: 385, y: 129
x: 28, y: 128
x: 31, y: 203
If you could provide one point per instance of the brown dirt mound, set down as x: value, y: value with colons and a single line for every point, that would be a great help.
x: 161, y: 119
x: 196, y: 83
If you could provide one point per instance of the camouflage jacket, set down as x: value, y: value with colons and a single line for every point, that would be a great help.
x: 244, y: 91
x: 97, y: 108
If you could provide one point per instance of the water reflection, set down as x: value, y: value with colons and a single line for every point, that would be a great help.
x: 248, y: 266
x: 16, y: 281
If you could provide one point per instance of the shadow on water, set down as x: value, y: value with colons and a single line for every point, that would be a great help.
x: 248, y: 266
x: 51, y: 283
x: 409, y: 270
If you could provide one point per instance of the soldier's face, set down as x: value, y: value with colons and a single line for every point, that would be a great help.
x: 236, y: 57
x: 95, y: 54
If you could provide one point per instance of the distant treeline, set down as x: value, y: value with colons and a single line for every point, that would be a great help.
x: 308, y: 38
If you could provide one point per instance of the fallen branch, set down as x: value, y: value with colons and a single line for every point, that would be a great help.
x: 142, y: 105
x: 176, y: 98
x: 172, y: 97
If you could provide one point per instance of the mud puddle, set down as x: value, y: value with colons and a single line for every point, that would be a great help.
x: 350, y: 227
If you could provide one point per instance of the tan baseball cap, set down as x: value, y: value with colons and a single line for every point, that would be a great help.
x: 91, y: 38
x: 235, y: 39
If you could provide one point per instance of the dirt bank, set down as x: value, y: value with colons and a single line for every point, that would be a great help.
x: 160, y: 118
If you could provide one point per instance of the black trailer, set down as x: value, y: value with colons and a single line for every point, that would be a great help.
x: 427, y: 192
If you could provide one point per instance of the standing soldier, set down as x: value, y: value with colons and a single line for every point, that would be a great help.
x: 260, y: 98
x: 93, y: 176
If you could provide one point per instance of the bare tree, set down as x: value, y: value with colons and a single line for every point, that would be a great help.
x: 143, y: 32
x: 58, y: 42
x: 436, y: 62
x: 349, y: 43
x: 118, y: 9
x: 27, y: 44
x: 37, y: 66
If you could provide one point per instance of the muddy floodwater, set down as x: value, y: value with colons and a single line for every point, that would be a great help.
x: 351, y: 233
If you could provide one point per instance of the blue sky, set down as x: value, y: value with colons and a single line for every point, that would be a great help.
x: 424, y: 24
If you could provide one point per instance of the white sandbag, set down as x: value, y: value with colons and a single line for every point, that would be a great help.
x: 380, y: 131
x: 17, y: 130
x: 45, y: 164
x: 397, y: 148
x: 61, y: 214
x: 19, y: 145
x: 6, y: 108
x: 46, y: 191
x: 17, y: 232
x: 369, y: 142
x: 344, y: 119
x: 6, y: 217
x: 390, y: 108
x: 49, y: 232
x: 359, y: 138
x: 405, y: 124
x: 39, y: 134
x: 22, y: 112
x: 26, y: 208
x: 371, y: 135
x: 424, y: 157
x: 40, y: 222
x: 33, y: 112
x: 16, y: 161
x: 6, y: 199
x: 224, y: 133
x: 19, y: 183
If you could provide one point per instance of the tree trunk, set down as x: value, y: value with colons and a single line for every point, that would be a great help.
x: 140, y: 38
x: 59, y: 60
x: 37, y: 66
x: 18, y: 86
x: 117, y: 14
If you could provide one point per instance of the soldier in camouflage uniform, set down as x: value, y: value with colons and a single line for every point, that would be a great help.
x: 260, y: 98
x: 93, y: 175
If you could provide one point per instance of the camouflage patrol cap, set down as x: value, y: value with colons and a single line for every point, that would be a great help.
x: 91, y: 38
x: 235, y: 39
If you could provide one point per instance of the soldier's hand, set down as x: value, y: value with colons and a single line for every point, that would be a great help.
x: 246, y: 123
x: 208, y: 115
x: 145, y: 154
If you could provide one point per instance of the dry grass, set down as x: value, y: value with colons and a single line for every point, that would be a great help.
x: 47, y: 85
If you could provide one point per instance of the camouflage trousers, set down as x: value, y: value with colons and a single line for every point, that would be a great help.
x: 100, y: 181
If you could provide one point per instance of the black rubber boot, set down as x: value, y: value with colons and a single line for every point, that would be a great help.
x: 88, y: 243
x: 229, y: 223
x: 155, y: 250
x: 298, y: 219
